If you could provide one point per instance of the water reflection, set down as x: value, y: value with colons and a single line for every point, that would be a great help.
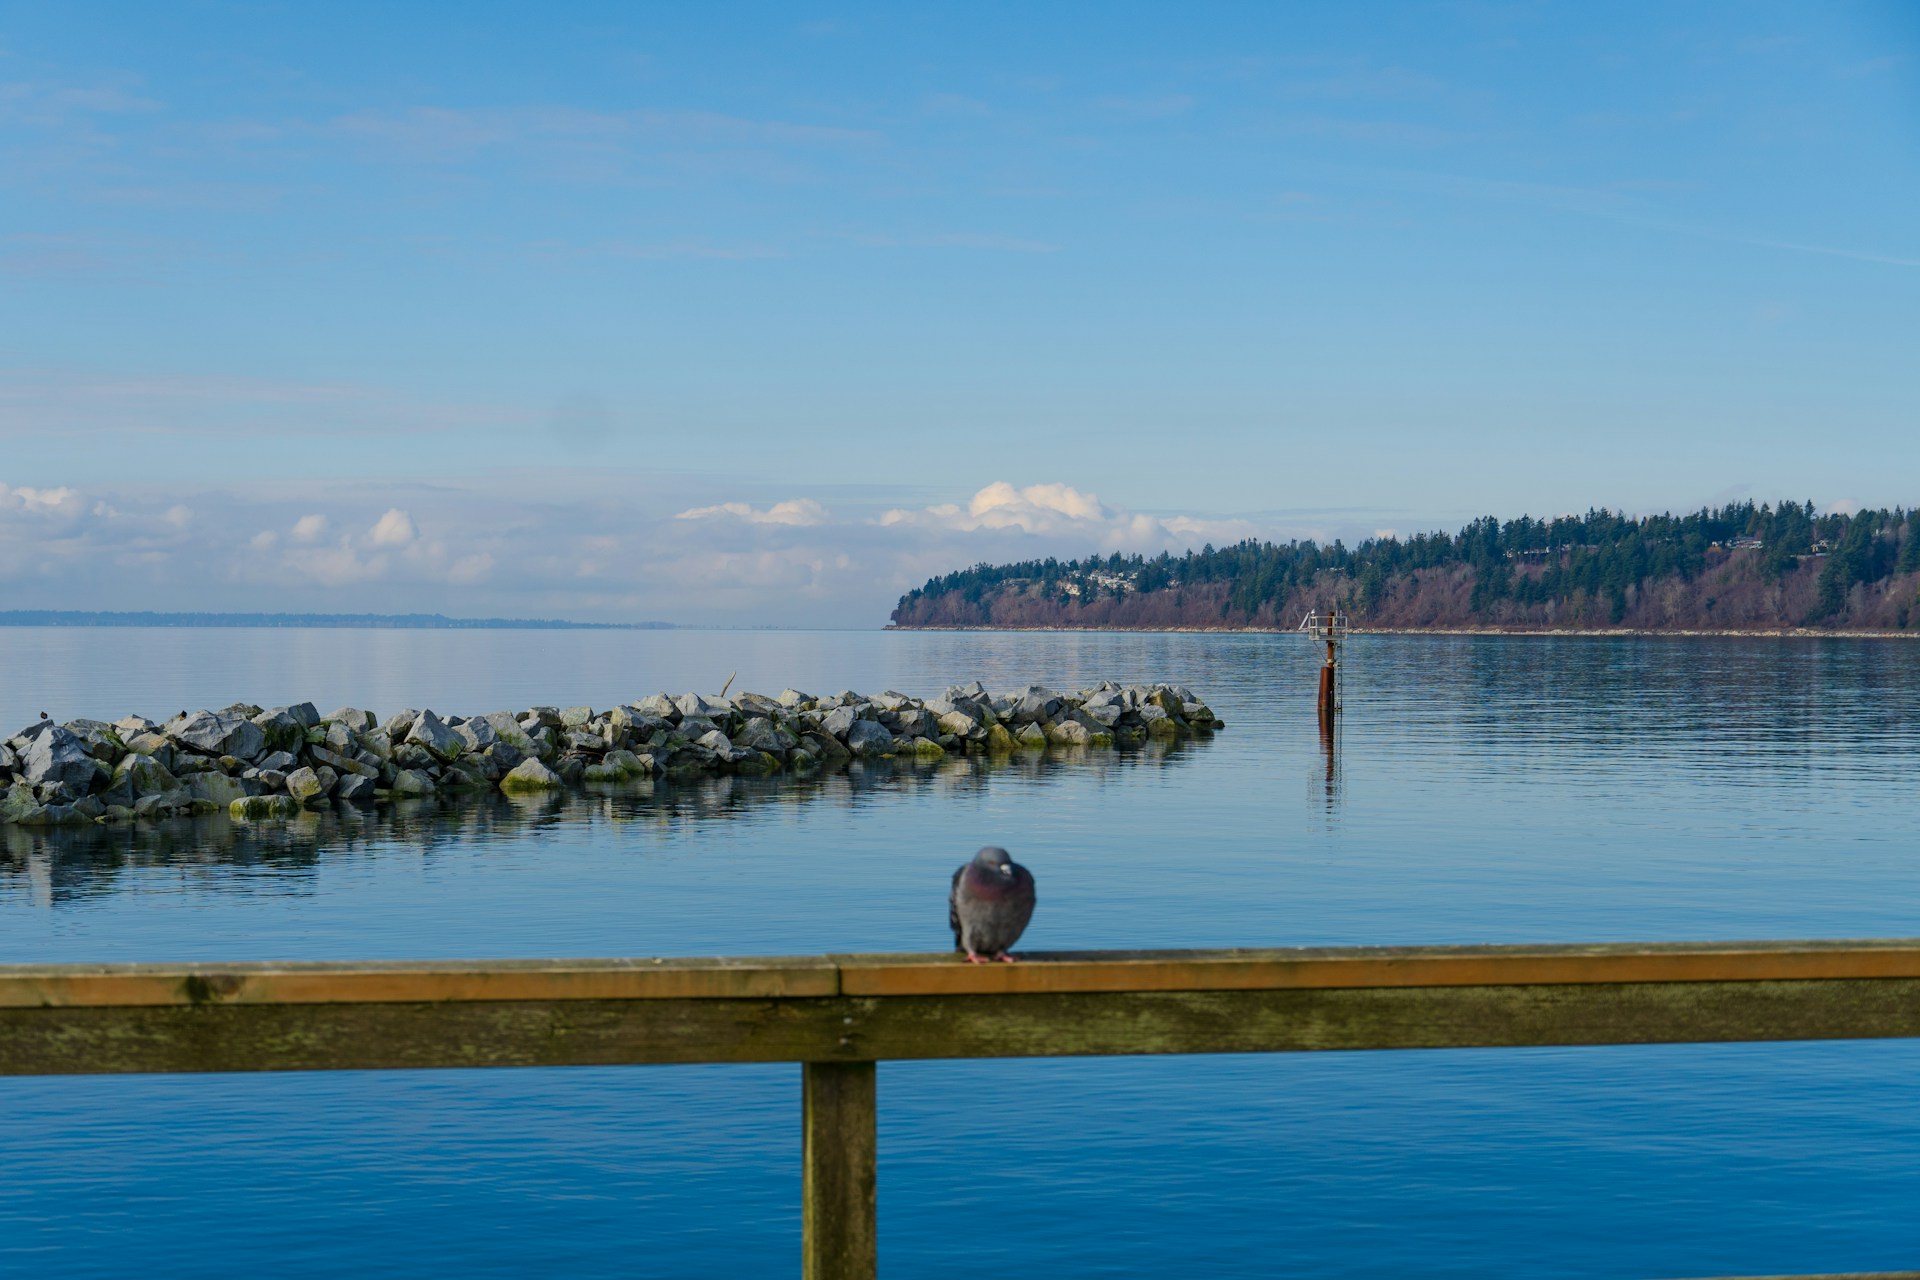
x: 1332, y: 782
x: 214, y: 853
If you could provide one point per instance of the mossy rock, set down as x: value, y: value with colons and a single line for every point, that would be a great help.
x: 263, y: 808
x: 530, y: 776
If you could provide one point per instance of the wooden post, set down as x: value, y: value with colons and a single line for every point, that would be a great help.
x: 839, y: 1151
x: 1329, y: 675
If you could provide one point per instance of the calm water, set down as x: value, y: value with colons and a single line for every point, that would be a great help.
x: 1483, y: 790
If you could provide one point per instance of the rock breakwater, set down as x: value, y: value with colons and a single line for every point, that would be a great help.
x: 263, y: 763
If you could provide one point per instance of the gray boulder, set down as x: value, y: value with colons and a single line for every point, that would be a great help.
x: 145, y: 775
x: 164, y: 805
x: 629, y: 764
x: 55, y: 755
x: 658, y: 705
x: 356, y: 789
x: 824, y: 746
x: 281, y: 729
x: 479, y: 733
x: 213, y: 733
x: 869, y: 738
x: 1037, y: 703
x: 353, y: 717
x: 306, y: 786
x: 118, y: 791
x: 506, y: 728
x: 762, y: 734
x: 411, y: 784
x: 840, y: 721
x: 99, y: 739
x: 432, y: 733
x: 574, y: 717
x: 530, y: 775
x: 961, y: 724
x: 1074, y: 733
x: 501, y: 758
x: 915, y: 723
x: 157, y: 745
x: 411, y: 755
x: 342, y: 764
x: 216, y: 787
x: 19, y: 803
x: 692, y: 704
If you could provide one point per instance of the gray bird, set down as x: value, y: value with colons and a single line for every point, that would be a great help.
x: 991, y: 902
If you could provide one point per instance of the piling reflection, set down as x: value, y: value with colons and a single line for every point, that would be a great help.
x: 49, y: 866
x: 1332, y: 782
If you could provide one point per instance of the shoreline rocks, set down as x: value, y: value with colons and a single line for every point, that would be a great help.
x: 262, y: 764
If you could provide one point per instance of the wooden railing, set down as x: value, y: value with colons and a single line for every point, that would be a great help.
x: 839, y: 1015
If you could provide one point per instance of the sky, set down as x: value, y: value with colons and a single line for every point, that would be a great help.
x: 763, y: 314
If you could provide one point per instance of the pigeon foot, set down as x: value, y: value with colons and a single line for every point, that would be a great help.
x: 1007, y: 957
x: 974, y: 957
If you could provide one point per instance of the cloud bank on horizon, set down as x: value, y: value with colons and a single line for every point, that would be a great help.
x: 663, y: 312
x: 477, y: 549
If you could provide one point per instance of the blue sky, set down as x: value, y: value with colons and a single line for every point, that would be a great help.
x: 762, y: 314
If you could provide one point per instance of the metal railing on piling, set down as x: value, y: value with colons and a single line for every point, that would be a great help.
x: 838, y: 1015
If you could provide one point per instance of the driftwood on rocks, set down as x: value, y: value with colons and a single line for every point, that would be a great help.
x: 270, y: 763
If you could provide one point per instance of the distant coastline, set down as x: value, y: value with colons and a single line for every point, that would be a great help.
x: 367, y: 621
x: 1752, y: 633
x: 1735, y: 570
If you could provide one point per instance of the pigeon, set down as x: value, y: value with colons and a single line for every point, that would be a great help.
x: 991, y: 902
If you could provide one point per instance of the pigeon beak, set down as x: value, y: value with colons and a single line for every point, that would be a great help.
x: 1005, y: 870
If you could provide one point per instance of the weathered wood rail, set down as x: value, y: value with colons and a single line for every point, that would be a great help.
x: 839, y: 1015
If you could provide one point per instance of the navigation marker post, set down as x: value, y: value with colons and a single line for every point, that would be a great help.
x: 1331, y: 628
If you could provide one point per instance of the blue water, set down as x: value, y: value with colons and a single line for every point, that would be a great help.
x: 1483, y: 789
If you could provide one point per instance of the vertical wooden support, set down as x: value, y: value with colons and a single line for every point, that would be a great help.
x: 1329, y: 677
x: 839, y: 1150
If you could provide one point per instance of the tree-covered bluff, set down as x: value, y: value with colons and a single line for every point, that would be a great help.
x: 1735, y: 568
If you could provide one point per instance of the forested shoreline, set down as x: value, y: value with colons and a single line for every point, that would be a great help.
x: 1736, y: 568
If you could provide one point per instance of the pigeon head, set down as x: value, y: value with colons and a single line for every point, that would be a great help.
x: 994, y: 860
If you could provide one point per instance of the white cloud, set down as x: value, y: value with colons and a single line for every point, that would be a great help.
x: 795, y: 511
x: 1052, y: 510
x: 309, y: 528
x: 394, y: 529
x: 62, y: 501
